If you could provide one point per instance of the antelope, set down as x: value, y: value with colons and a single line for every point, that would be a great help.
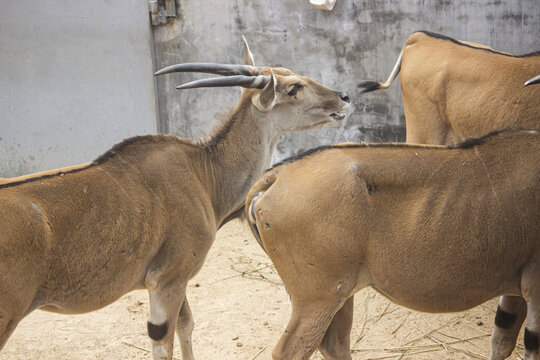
x: 454, y: 89
x: 144, y: 214
x: 433, y: 228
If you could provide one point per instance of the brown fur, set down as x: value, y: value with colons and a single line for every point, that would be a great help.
x: 456, y: 89
x: 446, y: 229
x: 142, y: 215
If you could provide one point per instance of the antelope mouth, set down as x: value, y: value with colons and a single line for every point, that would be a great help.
x: 338, y: 116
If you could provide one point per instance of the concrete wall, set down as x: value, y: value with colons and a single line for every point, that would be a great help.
x: 75, y: 78
x: 358, y: 40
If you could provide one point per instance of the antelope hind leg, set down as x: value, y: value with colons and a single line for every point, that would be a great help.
x: 165, y: 305
x: 306, y: 329
x: 510, y: 315
x: 336, y: 343
x: 184, y: 328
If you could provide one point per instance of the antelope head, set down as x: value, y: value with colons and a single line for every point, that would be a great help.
x: 297, y: 103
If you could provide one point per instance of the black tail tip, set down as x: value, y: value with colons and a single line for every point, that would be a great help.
x: 368, y: 86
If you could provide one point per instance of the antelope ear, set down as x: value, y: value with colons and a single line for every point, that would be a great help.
x: 248, y: 55
x: 266, y: 98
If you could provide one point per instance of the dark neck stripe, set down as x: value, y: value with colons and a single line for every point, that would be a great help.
x: 457, y: 42
x: 47, y: 176
x: 356, y: 146
x: 466, y: 144
x: 100, y: 160
x: 222, y: 131
x: 119, y: 147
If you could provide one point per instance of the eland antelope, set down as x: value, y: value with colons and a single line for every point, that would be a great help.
x: 433, y: 228
x: 454, y: 89
x: 145, y: 213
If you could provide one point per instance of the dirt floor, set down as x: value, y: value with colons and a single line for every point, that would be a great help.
x: 240, y: 309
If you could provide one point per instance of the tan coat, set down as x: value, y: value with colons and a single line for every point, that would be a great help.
x: 454, y: 89
x: 145, y: 214
x: 433, y: 228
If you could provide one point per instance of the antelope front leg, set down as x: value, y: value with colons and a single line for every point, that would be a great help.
x: 510, y: 315
x: 336, y: 344
x: 165, y: 305
x: 184, y: 328
x: 12, y: 307
x: 7, y: 326
x: 306, y: 328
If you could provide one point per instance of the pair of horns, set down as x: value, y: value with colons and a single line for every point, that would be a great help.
x: 245, y: 75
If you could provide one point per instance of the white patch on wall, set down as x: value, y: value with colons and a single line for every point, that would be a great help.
x: 323, y: 4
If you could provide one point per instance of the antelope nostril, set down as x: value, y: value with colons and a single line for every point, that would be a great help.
x: 343, y: 96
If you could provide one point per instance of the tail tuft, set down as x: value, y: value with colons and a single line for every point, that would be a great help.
x: 369, y: 86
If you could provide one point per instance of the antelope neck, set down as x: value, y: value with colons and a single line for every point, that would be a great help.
x: 241, y: 155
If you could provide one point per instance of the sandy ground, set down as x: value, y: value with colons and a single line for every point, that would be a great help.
x: 240, y: 309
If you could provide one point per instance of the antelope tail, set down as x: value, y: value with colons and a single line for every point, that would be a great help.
x: 255, y: 194
x: 369, y: 86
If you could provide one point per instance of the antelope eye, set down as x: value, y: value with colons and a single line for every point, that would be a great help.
x: 294, y: 90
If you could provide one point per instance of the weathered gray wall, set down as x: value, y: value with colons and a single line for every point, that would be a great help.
x: 358, y: 40
x: 75, y: 78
